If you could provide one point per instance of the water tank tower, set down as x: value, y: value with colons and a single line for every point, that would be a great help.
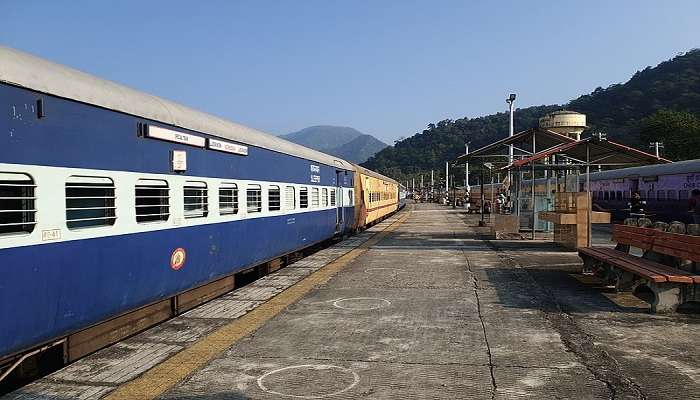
x: 569, y: 123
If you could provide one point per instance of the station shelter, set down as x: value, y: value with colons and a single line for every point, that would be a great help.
x: 545, y: 163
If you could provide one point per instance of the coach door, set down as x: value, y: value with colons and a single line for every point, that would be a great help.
x: 634, y: 185
x: 338, y: 201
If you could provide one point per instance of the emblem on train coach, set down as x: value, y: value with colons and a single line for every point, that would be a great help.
x: 177, y: 259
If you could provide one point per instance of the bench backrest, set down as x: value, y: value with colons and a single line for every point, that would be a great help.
x: 634, y: 236
x: 686, y: 247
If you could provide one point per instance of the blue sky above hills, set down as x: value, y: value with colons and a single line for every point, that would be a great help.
x: 386, y: 68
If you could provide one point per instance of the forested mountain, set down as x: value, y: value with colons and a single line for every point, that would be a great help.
x: 359, y: 149
x: 323, y: 137
x: 445, y: 141
x: 656, y: 104
x: 347, y: 143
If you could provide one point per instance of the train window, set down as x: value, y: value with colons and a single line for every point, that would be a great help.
x: 274, y: 202
x: 196, y: 199
x: 228, y: 199
x: 660, y: 195
x: 683, y: 195
x: 651, y: 195
x: 626, y: 194
x: 303, y: 197
x: 17, y: 209
x: 314, y: 198
x: 606, y: 195
x: 324, y: 197
x: 600, y: 195
x: 290, y: 201
x: 254, y: 199
x: 152, y: 200
x: 332, y: 197
x: 89, y: 202
x: 618, y: 195
x: 671, y: 195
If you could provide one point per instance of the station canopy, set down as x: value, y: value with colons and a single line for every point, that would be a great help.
x: 525, y: 144
x: 593, y: 151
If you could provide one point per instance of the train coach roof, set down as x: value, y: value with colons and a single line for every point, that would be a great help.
x: 679, y: 167
x: 371, y: 173
x: 21, y: 69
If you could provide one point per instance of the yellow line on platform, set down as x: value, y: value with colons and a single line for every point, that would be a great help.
x: 170, y: 372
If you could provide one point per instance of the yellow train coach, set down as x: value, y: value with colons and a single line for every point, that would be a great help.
x: 377, y: 195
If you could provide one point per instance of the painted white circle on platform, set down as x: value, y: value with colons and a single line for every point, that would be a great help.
x: 361, y: 303
x: 317, y: 367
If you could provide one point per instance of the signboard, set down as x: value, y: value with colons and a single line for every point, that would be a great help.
x: 157, y: 132
x: 315, y: 170
x: 228, y: 147
x: 179, y: 161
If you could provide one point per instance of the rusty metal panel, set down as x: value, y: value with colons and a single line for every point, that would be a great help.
x: 193, y: 298
x: 114, y: 330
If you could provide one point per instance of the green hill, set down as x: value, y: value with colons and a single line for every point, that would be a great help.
x: 660, y: 103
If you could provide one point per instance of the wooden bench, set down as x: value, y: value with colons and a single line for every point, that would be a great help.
x: 658, y: 268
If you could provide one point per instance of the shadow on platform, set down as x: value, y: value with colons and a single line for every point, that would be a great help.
x: 556, y: 290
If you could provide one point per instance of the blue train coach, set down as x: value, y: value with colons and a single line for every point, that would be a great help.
x: 112, y: 200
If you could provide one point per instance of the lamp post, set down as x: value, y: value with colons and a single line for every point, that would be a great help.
x: 454, y: 193
x: 447, y: 179
x: 481, y: 182
x: 656, y: 146
x: 466, y: 168
x: 510, y: 100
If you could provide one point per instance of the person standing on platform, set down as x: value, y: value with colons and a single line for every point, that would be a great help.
x: 636, y: 205
x: 694, y: 205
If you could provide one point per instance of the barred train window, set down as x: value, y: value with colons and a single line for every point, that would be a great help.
x: 332, y: 197
x: 651, y: 195
x: 17, y: 209
x: 273, y: 198
x: 682, y: 194
x: 290, y: 201
x: 89, y: 202
x: 196, y: 199
x: 671, y: 195
x: 314, y: 198
x: 254, y: 199
x: 660, y: 195
x: 324, y: 197
x: 152, y: 200
x: 228, y: 199
x: 303, y: 197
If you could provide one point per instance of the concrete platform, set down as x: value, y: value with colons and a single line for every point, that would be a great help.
x: 419, y: 306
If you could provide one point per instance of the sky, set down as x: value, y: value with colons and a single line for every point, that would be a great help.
x: 387, y: 68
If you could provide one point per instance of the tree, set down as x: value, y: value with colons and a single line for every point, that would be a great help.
x: 679, y: 131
